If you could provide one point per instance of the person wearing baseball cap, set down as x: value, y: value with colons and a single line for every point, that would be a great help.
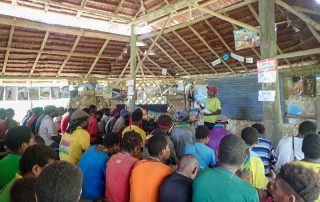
x: 76, y: 139
x: 213, y: 105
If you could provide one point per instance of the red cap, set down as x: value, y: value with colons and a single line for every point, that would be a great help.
x: 115, y: 110
x: 212, y: 88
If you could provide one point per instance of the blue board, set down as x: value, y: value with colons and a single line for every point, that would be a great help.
x: 239, y: 97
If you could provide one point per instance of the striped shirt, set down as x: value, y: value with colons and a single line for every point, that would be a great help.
x: 263, y: 150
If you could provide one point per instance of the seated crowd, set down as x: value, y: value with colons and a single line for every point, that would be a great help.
x: 111, y: 155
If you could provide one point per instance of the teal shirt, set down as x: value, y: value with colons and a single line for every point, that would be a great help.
x: 217, y: 184
x: 9, y: 166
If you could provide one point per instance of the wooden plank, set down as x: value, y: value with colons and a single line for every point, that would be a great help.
x: 8, y: 51
x: 62, y: 30
x: 133, y: 66
x: 39, y: 53
x: 209, y: 47
x: 117, y: 10
x: 314, y: 32
x: 194, y: 51
x: 124, y: 69
x: 314, y: 51
x: 69, y: 55
x: 83, y: 4
x: 97, y: 58
x: 306, y: 10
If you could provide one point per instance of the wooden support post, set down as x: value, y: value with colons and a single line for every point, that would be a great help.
x: 97, y: 58
x: 271, y: 110
x: 8, y: 51
x: 209, y: 47
x: 39, y: 54
x: 69, y: 55
x: 133, y: 66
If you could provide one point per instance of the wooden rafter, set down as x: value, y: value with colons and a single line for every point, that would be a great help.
x: 194, y: 51
x: 83, y: 4
x: 69, y: 55
x: 142, y: 7
x: 124, y: 69
x: 209, y: 47
x: 179, y: 54
x: 13, y: 2
x: 224, y: 42
x: 97, y: 58
x: 8, y: 51
x: 117, y: 9
x: 153, y: 44
x: 314, y: 51
x: 169, y: 56
x: 39, y: 53
x: 314, y: 32
x: 306, y: 10
x: 141, y: 68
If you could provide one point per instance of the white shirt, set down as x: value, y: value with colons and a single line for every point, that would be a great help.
x: 284, y: 152
x: 47, y: 130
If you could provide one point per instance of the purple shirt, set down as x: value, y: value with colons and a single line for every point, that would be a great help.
x: 216, y: 134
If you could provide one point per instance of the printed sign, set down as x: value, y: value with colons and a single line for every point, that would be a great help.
x: 267, y: 95
x: 216, y: 62
x: 267, y: 70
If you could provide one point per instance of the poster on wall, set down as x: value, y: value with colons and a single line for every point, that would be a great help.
x: 245, y: 39
x: 34, y: 93
x: 267, y: 70
x: 11, y: 93
x: 309, y: 85
x: 65, y: 92
x: 99, y: 90
x: 152, y: 91
x: 55, y: 92
x: 44, y: 93
x: 86, y: 89
x: 116, y: 94
x: 22, y: 93
x: 1, y: 93
x: 107, y: 92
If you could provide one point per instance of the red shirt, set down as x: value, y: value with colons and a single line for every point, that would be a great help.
x: 64, y: 122
x: 93, y: 128
x: 119, y: 169
x: 29, y: 122
x: 3, y: 129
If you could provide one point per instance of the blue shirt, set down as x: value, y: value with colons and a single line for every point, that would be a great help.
x: 203, y: 153
x: 93, y: 167
x: 263, y: 150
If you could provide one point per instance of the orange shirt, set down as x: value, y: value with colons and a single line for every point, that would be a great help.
x: 146, y: 178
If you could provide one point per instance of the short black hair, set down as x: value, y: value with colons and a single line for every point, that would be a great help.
x: 232, y: 150
x: 38, y: 154
x: 39, y: 139
x: 71, y: 110
x: 94, y: 107
x: 86, y: 110
x: 259, y: 127
x: 60, y: 181
x: 307, y: 127
x: 130, y: 141
x: 311, y: 146
x: 250, y: 135
x: 305, y: 182
x: 15, y: 137
x: 99, y: 112
x: 23, y: 190
x: 137, y: 115
x: 9, y: 111
x: 111, y: 139
x: 202, y: 132
x: 156, y: 144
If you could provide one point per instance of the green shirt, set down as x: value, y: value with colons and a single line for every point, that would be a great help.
x: 9, y: 166
x: 217, y: 184
x: 5, y: 192
x: 212, y: 104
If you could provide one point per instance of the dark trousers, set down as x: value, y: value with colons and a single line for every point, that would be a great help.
x: 209, y: 125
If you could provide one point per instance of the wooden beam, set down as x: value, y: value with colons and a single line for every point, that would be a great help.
x: 228, y: 19
x: 124, y: 69
x: 314, y: 51
x: 83, y: 4
x: 223, y: 42
x: 164, y: 11
x: 314, y: 32
x: 200, y: 19
x: 8, y: 51
x: 301, y: 15
x: 39, y: 53
x: 169, y: 56
x: 141, y: 68
x: 133, y: 66
x: 142, y: 7
x: 178, y: 53
x: 62, y: 30
x: 69, y: 55
x: 14, y: 2
x: 117, y: 10
x: 209, y: 47
x: 306, y: 10
x: 153, y: 43
x: 97, y: 58
x: 194, y: 51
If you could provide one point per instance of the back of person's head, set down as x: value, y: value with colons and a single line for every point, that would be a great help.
x: 305, y: 182
x: 188, y: 165
x: 165, y: 121
x: 311, y: 146
x: 131, y: 141
x: 260, y: 128
x: 23, y: 190
x: 60, y: 181
x: 250, y: 135
x: 2, y: 112
x: 37, y: 111
x: 111, y: 139
x: 92, y: 108
x: 35, y: 158
x: 18, y: 138
x: 86, y: 110
x: 71, y: 110
x: 307, y: 127
x: 156, y: 145
x: 137, y: 115
x: 202, y: 132
x: 50, y: 109
x: 39, y: 139
x: 9, y: 113
x: 232, y: 150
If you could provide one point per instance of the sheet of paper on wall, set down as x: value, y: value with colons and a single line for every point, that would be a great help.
x: 267, y: 77
x: 164, y: 71
x: 130, y: 82
x: 216, y: 62
x: 267, y: 95
x: 130, y: 90
x: 249, y: 60
x: 267, y: 65
x: 130, y: 97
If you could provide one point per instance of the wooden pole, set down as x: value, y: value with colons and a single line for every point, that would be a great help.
x: 271, y: 110
x: 133, y: 66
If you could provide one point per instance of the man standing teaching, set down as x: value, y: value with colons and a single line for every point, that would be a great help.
x: 211, y: 108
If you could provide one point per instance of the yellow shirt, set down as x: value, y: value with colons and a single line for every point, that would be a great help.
x: 72, y: 145
x: 212, y: 104
x: 136, y: 129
